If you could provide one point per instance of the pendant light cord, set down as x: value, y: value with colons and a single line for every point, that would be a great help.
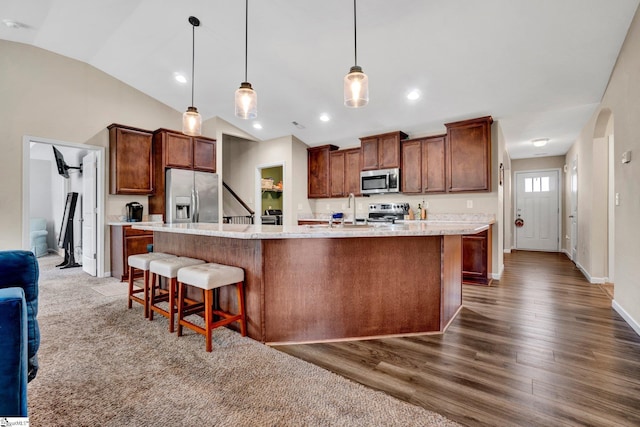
x: 193, y: 58
x: 355, y: 35
x: 246, y: 36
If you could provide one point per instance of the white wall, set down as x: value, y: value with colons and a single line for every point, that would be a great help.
x: 622, y: 100
x: 40, y: 200
x: 50, y: 96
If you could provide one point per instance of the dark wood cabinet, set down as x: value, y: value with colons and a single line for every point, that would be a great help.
x: 126, y: 241
x: 204, y: 154
x: 345, y: 172
x: 352, y: 168
x: 336, y: 174
x: 424, y: 165
x: 185, y: 152
x: 476, y: 258
x: 318, y: 171
x: 469, y: 155
x: 130, y: 160
x: 172, y: 149
x: 381, y: 151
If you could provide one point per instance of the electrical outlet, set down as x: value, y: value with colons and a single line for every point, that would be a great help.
x: 360, y: 206
x: 344, y: 206
x: 426, y: 205
x: 617, y: 199
x: 299, y: 206
x: 469, y: 204
x: 328, y: 207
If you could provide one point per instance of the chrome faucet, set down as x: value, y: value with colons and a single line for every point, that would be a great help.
x: 352, y: 196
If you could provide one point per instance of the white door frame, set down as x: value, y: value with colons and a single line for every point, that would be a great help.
x: 515, y: 204
x: 573, y: 207
x: 100, y: 195
x: 258, y: 186
x: 611, y: 213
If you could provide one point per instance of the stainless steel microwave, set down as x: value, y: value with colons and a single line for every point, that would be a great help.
x: 380, y: 181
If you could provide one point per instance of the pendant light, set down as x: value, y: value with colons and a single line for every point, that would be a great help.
x: 356, y: 83
x: 191, y: 119
x: 246, y: 97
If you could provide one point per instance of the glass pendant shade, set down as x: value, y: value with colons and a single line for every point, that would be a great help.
x: 356, y: 88
x: 192, y: 122
x: 246, y: 102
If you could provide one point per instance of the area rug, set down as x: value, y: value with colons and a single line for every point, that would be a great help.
x: 102, y: 364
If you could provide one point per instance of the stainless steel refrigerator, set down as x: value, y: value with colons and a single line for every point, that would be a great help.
x: 191, y: 196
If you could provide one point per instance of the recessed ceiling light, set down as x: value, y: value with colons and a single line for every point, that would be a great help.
x: 324, y: 117
x: 540, y: 142
x: 413, y: 95
x: 12, y: 24
x: 257, y: 126
x: 179, y: 78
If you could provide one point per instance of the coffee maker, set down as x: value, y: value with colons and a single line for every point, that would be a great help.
x: 134, y: 212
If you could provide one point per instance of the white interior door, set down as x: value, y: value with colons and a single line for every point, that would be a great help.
x: 573, y: 217
x: 89, y: 213
x: 537, y: 210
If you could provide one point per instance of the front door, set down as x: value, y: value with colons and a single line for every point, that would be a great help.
x: 537, y: 210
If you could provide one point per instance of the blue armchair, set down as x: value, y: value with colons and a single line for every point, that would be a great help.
x: 19, y: 332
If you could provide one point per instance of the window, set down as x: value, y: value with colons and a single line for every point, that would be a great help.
x: 536, y: 184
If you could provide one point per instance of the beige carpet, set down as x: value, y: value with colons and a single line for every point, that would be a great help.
x: 104, y: 365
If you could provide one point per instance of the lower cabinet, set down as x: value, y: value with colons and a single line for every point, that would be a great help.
x: 476, y: 258
x: 126, y: 241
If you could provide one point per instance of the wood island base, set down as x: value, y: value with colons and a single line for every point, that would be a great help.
x: 330, y: 289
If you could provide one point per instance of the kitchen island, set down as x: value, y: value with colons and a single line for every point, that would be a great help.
x: 318, y: 283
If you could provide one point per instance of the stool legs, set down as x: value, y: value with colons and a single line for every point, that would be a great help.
x: 170, y: 297
x: 209, y: 312
x: 145, y: 290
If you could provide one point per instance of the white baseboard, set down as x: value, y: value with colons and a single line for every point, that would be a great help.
x: 593, y: 280
x: 107, y: 274
x: 630, y: 320
x: 497, y: 276
x: 567, y: 253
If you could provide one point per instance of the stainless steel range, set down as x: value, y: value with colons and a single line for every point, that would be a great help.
x: 387, y: 212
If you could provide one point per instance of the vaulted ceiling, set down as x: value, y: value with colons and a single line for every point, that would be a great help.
x: 538, y: 67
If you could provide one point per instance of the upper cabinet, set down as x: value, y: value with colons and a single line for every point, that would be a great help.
x: 173, y: 149
x: 130, y: 160
x: 178, y: 150
x: 459, y: 161
x: 345, y: 172
x: 424, y: 165
x: 469, y: 155
x: 318, y: 171
x: 381, y: 151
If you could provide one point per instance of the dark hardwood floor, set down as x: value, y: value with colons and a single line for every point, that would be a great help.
x: 542, y: 347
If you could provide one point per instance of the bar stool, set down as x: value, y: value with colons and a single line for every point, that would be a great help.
x: 166, y: 267
x: 141, y: 262
x: 208, y: 277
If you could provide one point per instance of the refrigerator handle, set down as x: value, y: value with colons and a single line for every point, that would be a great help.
x: 194, y: 205
x: 197, y: 217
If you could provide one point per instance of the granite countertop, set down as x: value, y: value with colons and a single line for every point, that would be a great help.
x: 249, y: 231
x: 146, y: 220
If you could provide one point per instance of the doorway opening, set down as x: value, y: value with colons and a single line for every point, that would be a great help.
x: 44, y: 194
x: 270, y: 187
